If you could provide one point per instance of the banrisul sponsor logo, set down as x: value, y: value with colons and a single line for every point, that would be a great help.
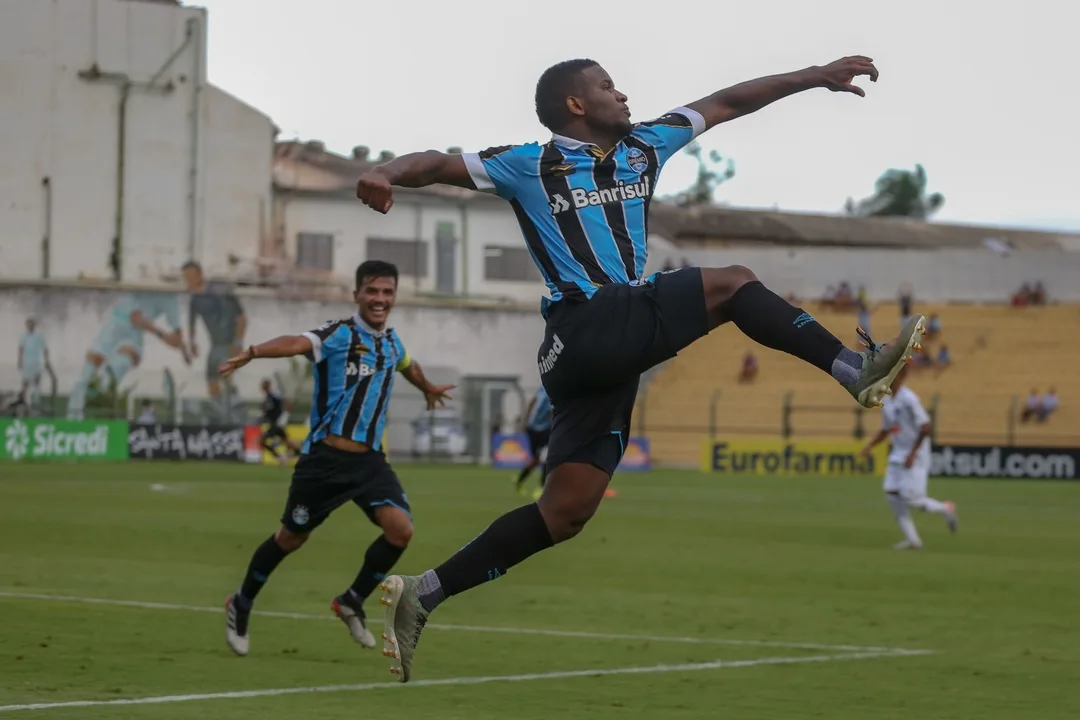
x: 581, y: 198
x: 44, y: 439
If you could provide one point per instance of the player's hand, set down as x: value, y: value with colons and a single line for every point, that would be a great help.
x: 234, y: 363
x: 375, y: 191
x: 194, y: 349
x: 866, y: 451
x: 909, y: 461
x: 838, y: 76
x: 438, y: 395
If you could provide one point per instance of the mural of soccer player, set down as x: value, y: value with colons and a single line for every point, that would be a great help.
x: 33, y: 360
x: 118, y: 346
x: 223, y: 317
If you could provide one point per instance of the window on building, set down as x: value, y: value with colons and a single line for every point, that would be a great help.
x: 509, y: 263
x: 410, y: 256
x: 315, y: 251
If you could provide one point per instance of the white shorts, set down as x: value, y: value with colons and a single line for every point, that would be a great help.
x: 32, y: 373
x: 909, y: 483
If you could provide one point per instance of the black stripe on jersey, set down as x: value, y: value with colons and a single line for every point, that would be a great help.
x: 604, y: 177
x: 670, y: 120
x: 384, y: 391
x: 356, y: 404
x: 322, y: 387
x: 650, y: 172
x: 494, y: 151
x: 536, y: 244
x: 569, y: 223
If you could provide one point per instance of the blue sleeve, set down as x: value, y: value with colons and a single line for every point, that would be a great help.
x: 503, y: 170
x: 328, y: 339
x: 670, y: 133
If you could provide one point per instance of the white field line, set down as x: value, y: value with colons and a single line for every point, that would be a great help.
x: 558, y: 675
x: 465, y: 628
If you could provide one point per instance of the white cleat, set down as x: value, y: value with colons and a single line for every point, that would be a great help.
x: 907, y: 545
x: 354, y: 619
x: 950, y: 517
x: 881, y: 363
x: 236, y: 627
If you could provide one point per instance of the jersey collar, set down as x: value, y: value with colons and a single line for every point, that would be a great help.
x: 569, y: 143
x: 360, y: 323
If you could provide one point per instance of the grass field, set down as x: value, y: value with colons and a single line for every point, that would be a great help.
x: 689, y: 596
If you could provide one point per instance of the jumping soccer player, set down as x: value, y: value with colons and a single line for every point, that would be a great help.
x: 273, y: 408
x: 538, y: 430
x: 355, y: 363
x: 582, y: 201
x: 905, y: 420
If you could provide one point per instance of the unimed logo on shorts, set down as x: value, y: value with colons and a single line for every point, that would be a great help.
x: 547, y: 362
x: 778, y: 457
x: 1005, y: 462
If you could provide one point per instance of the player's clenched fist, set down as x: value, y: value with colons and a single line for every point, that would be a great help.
x: 375, y: 191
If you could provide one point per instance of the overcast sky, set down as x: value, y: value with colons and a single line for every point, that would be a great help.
x: 985, y: 95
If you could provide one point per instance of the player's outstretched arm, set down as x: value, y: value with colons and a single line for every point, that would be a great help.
x: 434, y: 394
x: 280, y: 347
x: 875, y: 441
x: 375, y: 187
x: 752, y: 95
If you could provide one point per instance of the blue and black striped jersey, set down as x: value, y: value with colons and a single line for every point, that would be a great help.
x: 584, y: 213
x: 354, y: 376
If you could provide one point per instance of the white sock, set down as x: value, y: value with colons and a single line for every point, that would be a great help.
x: 903, y: 519
x: 929, y: 505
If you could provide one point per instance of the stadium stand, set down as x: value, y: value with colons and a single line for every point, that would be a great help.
x: 998, y: 354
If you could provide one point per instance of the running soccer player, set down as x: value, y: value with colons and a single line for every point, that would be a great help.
x: 538, y: 430
x: 273, y: 408
x: 355, y: 360
x: 582, y: 201
x: 905, y: 420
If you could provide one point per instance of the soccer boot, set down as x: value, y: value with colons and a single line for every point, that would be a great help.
x: 352, y: 614
x: 950, y: 517
x: 881, y: 363
x: 236, y: 626
x: 907, y: 545
x: 405, y: 620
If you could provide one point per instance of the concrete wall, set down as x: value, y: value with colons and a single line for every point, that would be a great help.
x: 447, y: 341
x: 183, y: 142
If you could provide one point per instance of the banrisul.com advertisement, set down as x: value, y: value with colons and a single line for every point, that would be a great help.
x: 26, y: 440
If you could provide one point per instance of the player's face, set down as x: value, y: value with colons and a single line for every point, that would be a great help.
x: 265, y: 386
x: 605, y: 107
x: 192, y: 278
x: 375, y: 299
x: 30, y: 325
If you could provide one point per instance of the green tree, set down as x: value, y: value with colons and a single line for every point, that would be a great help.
x: 713, y: 171
x: 898, y: 193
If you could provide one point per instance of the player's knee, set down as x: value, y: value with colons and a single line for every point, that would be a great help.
x: 396, y: 526
x: 722, y: 283
x: 399, y: 534
x: 564, y: 520
x: 290, y: 541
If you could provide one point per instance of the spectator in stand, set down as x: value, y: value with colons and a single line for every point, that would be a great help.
x: 907, y: 302
x: 862, y: 303
x: 943, y: 358
x: 668, y: 265
x: 1033, y: 406
x: 830, y: 296
x: 1049, y: 405
x: 933, y: 327
x: 1038, y: 294
x: 749, y: 368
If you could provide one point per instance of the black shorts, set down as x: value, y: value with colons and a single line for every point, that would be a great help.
x: 595, y: 351
x: 538, y: 440
x: 326, y: 478
x: 275, y: 431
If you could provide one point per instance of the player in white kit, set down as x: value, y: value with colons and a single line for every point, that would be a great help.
x: 907, y: 423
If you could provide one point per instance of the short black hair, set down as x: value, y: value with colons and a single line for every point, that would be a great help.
x: 371, y: 269
x: 191, y: 264
x: 556, y: 84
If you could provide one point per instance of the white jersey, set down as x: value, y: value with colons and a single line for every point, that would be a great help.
x: 902, y: 416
